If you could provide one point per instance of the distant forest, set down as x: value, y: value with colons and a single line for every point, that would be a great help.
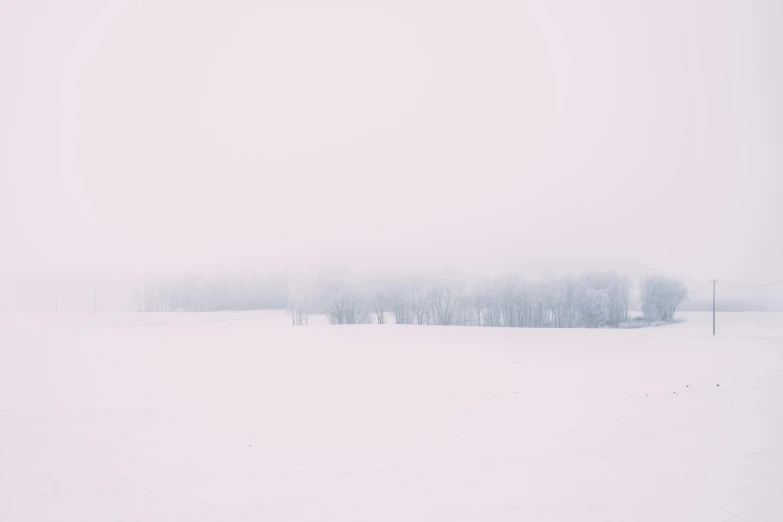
x: 592, y: 300
x: 723, y: 305
x: 192, y: 294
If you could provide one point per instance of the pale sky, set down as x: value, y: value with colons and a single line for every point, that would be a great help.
x: 138, y: 137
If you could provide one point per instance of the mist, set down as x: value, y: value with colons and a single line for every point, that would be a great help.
x: 391, y: 260
x: 540, y: 138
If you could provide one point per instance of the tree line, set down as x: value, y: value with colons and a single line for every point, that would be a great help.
x: 204, y: 294
x: 589, y: 300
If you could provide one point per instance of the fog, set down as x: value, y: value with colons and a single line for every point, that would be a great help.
x: 544, y: 136
x: 391, y: 260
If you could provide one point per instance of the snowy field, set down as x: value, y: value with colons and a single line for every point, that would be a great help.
x: 239, y: 416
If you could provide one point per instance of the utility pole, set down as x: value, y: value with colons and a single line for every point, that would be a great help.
x: 713, y: 304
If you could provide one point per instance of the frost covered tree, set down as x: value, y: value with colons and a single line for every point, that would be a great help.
x: 660, y: 297
x: 596, y: 310
x: 600, y: 298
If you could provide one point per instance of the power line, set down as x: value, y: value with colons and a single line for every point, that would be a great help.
x: 713, y: 281
x: 752, y: 286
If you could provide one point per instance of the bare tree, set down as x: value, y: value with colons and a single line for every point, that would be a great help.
x: 443, y: 300
x: 401, y: 308
x: 298, y: 316
x: 379, y: 307
x: 488, y: 304
x: 345, y: 309
x: 420, y: 307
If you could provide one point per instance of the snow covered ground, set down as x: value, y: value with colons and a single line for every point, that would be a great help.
x: 240, y: 416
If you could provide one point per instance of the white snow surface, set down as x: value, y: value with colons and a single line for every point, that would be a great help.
x: 241, y: 416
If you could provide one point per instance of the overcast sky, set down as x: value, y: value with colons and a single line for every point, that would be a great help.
x: 483, y: 135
